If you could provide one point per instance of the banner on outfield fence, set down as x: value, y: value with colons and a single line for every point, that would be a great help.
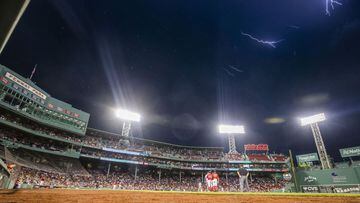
x: 310, y: 189
x: 307, y: 157
x: 331, y: 177
x: 349, y: 152
x: 331, y: 189
x: 346, y: 189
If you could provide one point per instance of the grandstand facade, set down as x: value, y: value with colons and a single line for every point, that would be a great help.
x: 21, y: 96
x: 50, y: 145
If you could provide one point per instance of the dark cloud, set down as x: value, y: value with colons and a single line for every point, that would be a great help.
x: 348, y: 33
x: 314, y: 99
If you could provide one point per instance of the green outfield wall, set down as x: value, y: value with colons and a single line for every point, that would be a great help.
x: 342, y: 180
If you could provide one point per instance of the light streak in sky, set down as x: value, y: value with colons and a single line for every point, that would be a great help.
x: 330, y: 3
x: 270, y: 43
x: 228, y: 72
x: 294, y: 26
x: 234, y: 68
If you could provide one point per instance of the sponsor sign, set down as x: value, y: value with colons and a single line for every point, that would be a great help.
x: 240, y: 162
x: 303, y: 158
x: 254, y: 147
x: 121, y: 151
x: 341, y: 176
x: 4, y: 80
x: 310, y: 189
x: 25, y: 85
x: 310, y: 179
x: 351, y: 151
x: 338, y: 178
x: 15, y: 86
x: 347, y: 189
x: 119, y: 160
x: 52, y: 106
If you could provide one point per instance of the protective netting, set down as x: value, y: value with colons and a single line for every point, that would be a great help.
x: 43, y: 162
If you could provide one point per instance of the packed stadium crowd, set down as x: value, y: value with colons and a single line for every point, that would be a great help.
x: 117, y: 142
x: 40, y: 171
x: 149, y: 180
x: 146, y: 160
x: 21, y: 138
x: 56, y: 146
x: 132, y: 144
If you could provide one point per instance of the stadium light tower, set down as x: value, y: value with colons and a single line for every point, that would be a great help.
x: 313, y: 122
x: 231, y: 131
x: 127, y: 117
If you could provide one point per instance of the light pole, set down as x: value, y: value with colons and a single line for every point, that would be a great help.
x: 313, y: 122
x: 127, y: 117
x: 231, y: 131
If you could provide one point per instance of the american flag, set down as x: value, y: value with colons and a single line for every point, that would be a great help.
x: 32, y: 73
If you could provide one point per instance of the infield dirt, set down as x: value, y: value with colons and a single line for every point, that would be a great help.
x: 90, y: 196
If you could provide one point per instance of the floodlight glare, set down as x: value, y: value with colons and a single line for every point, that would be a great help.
x: 312, y: 119
x: 231, y: 129
x: 127, y: 115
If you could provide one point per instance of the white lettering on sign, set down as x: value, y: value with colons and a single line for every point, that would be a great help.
x: 351, y: 151
x: 25, y: 85
x: 347, y: 190
x: 310, y: 189
x: 310, y: 179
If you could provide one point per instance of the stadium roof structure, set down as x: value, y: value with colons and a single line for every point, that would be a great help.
x: 94, y: 131
x: 53, y: 100
x: 27, y: 95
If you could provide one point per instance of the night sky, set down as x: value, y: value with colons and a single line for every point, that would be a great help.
x: 185, y: 66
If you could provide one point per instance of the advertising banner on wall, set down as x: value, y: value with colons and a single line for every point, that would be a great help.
x: 343, y: 176
x: 346, y: 189
x: 310, y: 189
x: 307, y: 157
x: 349, y: 152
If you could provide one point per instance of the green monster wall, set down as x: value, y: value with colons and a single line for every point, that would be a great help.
x: 329, y: 180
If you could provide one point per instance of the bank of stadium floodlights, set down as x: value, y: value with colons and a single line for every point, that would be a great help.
x: 127, y: 117
x: 231, y: 131
x: 313, y: 122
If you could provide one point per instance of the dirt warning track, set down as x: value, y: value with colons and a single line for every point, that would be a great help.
x: 90, y: 196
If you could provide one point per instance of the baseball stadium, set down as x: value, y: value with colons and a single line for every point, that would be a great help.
x: 49, y: 151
